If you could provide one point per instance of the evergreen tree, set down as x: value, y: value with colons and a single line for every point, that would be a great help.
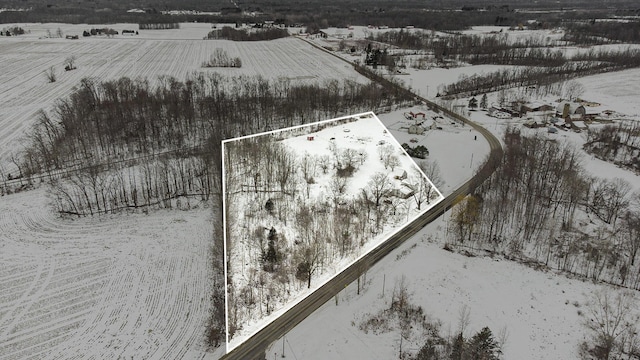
x: 269, y: 207
x: 428, y: 352
x: 483, y: 346
x: 473, y: 103
x: 272, y: 257
x: 483, y: 102
x: 458, y: 348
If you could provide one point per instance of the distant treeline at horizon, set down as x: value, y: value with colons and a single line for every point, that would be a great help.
x: 441, y: 15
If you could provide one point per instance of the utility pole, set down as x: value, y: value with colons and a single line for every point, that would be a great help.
x: 283, y: 346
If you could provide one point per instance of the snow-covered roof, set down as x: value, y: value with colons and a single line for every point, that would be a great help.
x: 573, y: 107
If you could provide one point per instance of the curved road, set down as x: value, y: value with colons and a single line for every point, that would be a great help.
x: 254, y: 347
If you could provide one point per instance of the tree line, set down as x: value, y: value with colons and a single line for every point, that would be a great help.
x: 535, y: 207
x: 123, y: 145
x: 495, y: 49
x: 220, y: 58
x: 474, y: 49
x: 619, y: 144
x: 602, y: 32
x: 261, y: 34
x: 589, y: 63
x: 158, y: 25
x: 105, y: 122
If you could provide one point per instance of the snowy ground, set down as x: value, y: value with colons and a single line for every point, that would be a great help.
x: 539, y: 310
x: 616, y: 91
x: 365, y: 135
x: 24, y: 89
x: 536, y: 308
x: 106, y: 287
x: 87, y: 272
x: 457, y: 149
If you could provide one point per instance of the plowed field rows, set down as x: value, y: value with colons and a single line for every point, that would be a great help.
x: 106, y: 288
x: 24, y: 88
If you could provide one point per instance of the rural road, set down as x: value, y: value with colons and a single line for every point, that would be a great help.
x: 254, y: 347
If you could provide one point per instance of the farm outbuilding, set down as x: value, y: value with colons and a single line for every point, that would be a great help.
x: 566, y: 108
x: 416, y: 129
x: 533, y: 107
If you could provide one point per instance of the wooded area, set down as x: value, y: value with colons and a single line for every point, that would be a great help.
x: 542, y: 208
x: 124, y: 145
x: 293, y: 214
x: 544, y: 78
x: 259, y: 34
x: 128, y: 145
x: 619, y: 144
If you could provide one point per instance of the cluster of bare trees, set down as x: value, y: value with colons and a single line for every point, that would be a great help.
x: 536, y: 205
x: 417, y: 328
x: 261, y: 34
x: 165, y: 181
x: 121, y: 120
x: 619, y: 143
x: 612, y: 321
x: 220, y: 58
x: 158, y: 25
x: 216, y: 325
x: 580, y: 65
x: 602, y: 32
x: 290, y: 216
x: 476, y: 49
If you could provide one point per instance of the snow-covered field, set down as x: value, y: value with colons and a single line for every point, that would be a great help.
x: 24, y: 89
x: 542, y: 312
x: 106, y: 287
x: 121, y: 286
x: 536, y: 308
x: 138, y: 285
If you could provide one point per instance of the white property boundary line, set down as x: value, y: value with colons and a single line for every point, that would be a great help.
x: 224, y: 218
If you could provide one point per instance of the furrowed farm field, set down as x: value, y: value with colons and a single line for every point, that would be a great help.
x: 24, y: 88
x: 124, y: 287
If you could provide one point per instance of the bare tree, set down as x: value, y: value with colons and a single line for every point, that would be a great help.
x: 50, y: 74
x: 572, y: 90
x: 422, y: 191
x: 309, y: 259
x: 349, y: 158
x: 70, y: 63
x: 393, y: 162
x: 612, y: 322
x: 379, y: 187
x: 324, y: 161
x: 609, y: 198
x: 465, y: 217
x: 431, y: 169
x: 386, y: 153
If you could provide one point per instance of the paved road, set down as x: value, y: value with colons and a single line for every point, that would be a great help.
x: 254, y: 348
